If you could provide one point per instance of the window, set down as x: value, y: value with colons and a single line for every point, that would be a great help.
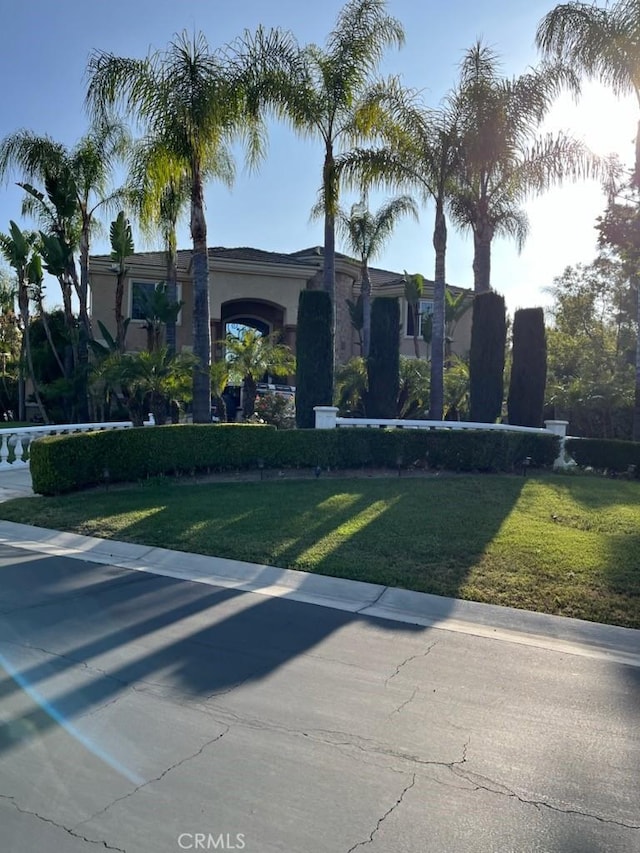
x: 142, y: 294
x: 425, y: 309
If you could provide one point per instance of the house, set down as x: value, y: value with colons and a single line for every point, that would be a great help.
x: 260, y: 289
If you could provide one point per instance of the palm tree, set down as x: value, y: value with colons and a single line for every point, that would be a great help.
x: 601, y: 43
x: 318, y: 91
x: 160, y: 190
x: 366, y: 234
x: 413, y: 292
x: 417, y: 152
x: 250, y: 356
x: 17, y: 249
x: 76, y: 186
x: 121, y: 248
x: 501, y: 161
x: 192, y: 104
x: 146, y: 380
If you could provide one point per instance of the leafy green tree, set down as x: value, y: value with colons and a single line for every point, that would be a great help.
x: 314, y: 356
x: 192, y: 103
x: 486, y: 368
x: 366, y: 234
x: 383, y: 364
x: 591, y: 344
x: 620, y: 232
x: 252, y: 355
x: 501, y: 159
x: 525, y: 402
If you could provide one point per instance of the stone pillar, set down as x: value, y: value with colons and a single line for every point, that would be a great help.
x: 326, y: 417
x: 557, y: 427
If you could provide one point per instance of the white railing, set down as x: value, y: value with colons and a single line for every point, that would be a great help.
x: 15, y: 441
x: 327, y: 418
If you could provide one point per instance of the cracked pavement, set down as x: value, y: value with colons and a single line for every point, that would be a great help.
x: 134, y: 709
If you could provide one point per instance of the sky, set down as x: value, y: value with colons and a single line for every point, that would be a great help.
x: 45, y: 45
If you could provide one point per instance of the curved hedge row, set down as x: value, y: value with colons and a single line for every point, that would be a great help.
x: 62, y: 464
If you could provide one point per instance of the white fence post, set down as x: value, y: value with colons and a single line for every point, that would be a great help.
x: 563, y: 461
x: 326, y: 417
x: 557, y: 427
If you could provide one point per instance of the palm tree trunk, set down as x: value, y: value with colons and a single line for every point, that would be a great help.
x: 120, y: 331
x: 330, y: 185
x: 249, y: 397
x: 366, y: 309
x: 436, y: 392
x: 415, y: 310
x: 201, y: 310
x: 23, y: 300
x: 482, y: 258
x: 636, y: 405
x: 172, y: 290
x: 49, y: 336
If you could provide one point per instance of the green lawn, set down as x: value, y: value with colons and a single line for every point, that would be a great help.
x: 560, y: 544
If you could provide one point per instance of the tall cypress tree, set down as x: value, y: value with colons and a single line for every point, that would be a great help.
x: 529, y: 368
x: 314, y: 356
x: 383, y: 363
x: 486, y: 358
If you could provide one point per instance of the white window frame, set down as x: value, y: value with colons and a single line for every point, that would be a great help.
x: 425, y: 308
x: 146, y: 281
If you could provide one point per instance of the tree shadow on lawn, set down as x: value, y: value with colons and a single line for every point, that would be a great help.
x: 595, y: 491
x: 413, y: 533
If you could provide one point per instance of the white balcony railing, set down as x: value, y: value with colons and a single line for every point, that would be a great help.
x: 15, y: 441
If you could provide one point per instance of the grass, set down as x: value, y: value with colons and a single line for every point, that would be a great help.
x: 558, y: 544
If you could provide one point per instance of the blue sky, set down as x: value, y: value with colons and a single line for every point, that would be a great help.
x: 44, y: 47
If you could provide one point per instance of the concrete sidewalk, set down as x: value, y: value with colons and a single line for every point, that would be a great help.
x: 15, y: 483
x: 572, y: 636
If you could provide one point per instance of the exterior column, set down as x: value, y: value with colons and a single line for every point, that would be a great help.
x: 326, y: 417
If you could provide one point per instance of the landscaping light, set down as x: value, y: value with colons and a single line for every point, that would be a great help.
x: 317, y: 471
x: 261, y: 468
x: 526, y: 462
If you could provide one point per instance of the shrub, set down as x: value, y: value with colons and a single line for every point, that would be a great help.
x: 62, y: 464
x: 275, y: 409
x: 605, y: 454
x: 486, y: 357
x: 383, y: 363
x: 314, y: 355
x: 525, y: 403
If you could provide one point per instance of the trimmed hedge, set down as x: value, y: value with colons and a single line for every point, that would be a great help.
x: 62, y: 464
x: 605, y: 454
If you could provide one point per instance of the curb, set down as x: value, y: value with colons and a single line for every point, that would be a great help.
x: 555, y: 633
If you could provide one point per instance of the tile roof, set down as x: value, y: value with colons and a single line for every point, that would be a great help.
x: 246, y: 253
